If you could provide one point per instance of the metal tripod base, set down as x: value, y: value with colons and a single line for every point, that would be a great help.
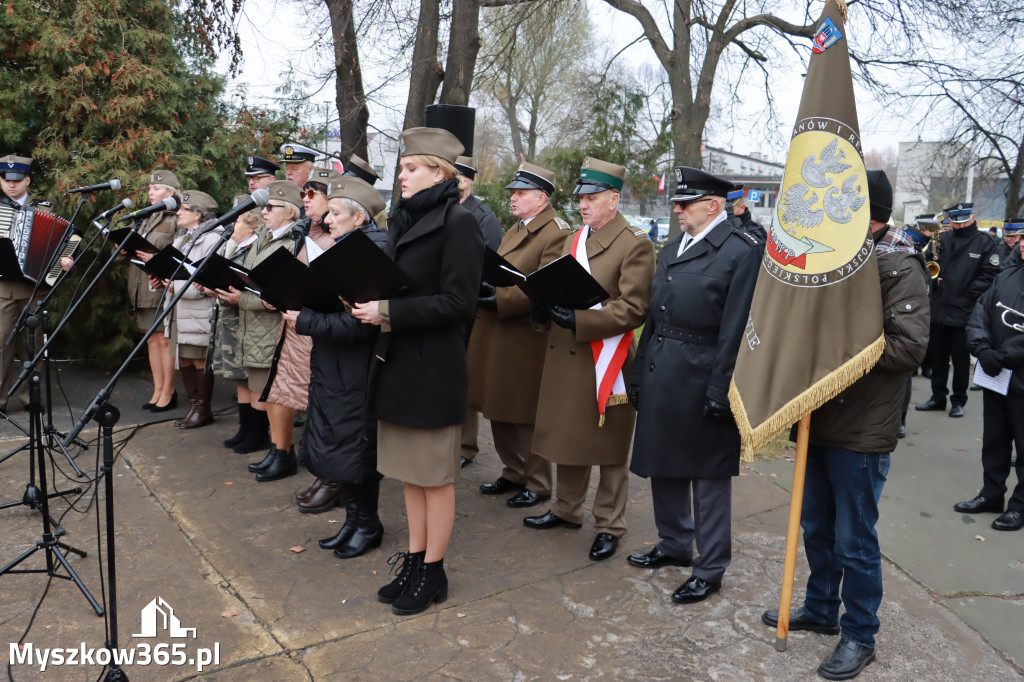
x: 52, y: 547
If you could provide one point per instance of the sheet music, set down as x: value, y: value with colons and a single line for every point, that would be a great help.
x: 313, y: 250
x: 999, y: 383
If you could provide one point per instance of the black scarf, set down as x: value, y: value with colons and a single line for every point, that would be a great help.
x: 409, y: 211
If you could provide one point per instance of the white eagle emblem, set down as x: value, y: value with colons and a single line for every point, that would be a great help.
x: 830, y: 161
x: 841, y: 204
x: 797, y: 210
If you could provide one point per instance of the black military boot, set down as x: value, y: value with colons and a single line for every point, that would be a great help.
x: 411, y: 563
x: 283, y: 464
x: 258, y: 436
x: 428, y: 585
x: 244, y: 410
x: 369, y: 531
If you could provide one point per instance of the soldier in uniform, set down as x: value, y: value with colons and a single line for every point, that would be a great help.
x: 575, y: 429
x: 968, y: 264
x: 1008, y: 249
x: 259, y: 172
x: 298, y: 162
x: 158, y: 229
x: 506, y: 352
x: 995, y: 337
x: 700, y: 303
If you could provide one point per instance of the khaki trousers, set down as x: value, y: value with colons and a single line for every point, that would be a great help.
x: 609, y: 503
x: 10, y: 309
x: 513, y: 441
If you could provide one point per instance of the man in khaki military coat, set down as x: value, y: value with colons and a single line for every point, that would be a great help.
x: 578, y: 425
x: 506, y: 352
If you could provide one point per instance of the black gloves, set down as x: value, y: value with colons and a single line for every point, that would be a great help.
x: 488, y: 299
x: 634, y: 396
x: 563, y: 317
x: 991, y: 361
x: 539, y: 314
x: 717, y: 410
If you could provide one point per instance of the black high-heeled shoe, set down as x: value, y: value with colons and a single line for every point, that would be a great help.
x: 169, y: 406
x: 147, y: 406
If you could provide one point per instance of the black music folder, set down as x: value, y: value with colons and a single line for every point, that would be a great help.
x: 562, y: 282
x: 221, y: 273
x: 135, y: 243
x: 168, y: 263
x: 287, y: 283
x: 499, y: 272
x: 360, y: 271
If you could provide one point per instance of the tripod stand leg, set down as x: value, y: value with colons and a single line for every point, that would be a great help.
x: 29, y: 552
x: 74, y: 576
x: 73, y: 550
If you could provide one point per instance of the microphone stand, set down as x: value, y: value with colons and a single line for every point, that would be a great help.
x: 106, y: 416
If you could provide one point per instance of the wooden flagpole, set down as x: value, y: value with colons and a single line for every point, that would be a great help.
x: 793, y: 533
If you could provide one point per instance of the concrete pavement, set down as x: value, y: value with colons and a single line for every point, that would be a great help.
x: 235, y: 560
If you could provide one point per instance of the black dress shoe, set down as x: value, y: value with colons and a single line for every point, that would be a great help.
x: 902, y: 433
x: 846, y: 661
x: 656, y: 558
x: 526, y: 498
x: 694, y: 590
x: 463, y: 462
x: 931, y: 405
x: 548, y: 520
x: 173, y: 404
x: 502, y: 485
x: 148, y: 406
x: 956, y: 411
x: 1011, y: 520
x: 798, y: 620
x: 979, y: 505
x: 603, y: 547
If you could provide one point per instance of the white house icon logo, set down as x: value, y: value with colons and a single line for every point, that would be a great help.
x: 159, y: 610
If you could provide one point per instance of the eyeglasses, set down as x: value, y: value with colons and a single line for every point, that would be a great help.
x: 310, y: 193
x: 270, y: 207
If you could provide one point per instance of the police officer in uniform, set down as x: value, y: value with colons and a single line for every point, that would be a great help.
x: 259, y: 172
x: 995, y: 337
x: 506, y: 352
x: 489, y: 225
x: 739, y: 214
x: 968, y: 264
x: 686, y: 439
x: 573, y: 429
x: 1009, y: 247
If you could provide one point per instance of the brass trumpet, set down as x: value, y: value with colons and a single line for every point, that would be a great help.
x: 934, y: 245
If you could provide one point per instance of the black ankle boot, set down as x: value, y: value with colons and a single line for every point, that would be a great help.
x: 369, y: 532
x: 347, y: 528
x: 257, y: 467
x: 428, y: 585
x: 410, y: 564
x: 243, y: 425
x: 283, y: 464
x: 258, y: 436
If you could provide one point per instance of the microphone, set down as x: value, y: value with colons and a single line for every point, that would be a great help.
x: 114, y: 184
x: 125, y: 203
x: 258, y: 198
x: 168, y: 204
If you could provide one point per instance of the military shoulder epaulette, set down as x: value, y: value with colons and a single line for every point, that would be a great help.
x: 748, y: 238
x: 641, y: 233
x: 562, y: 225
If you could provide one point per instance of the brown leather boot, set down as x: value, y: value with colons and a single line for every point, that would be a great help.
x: 326, y: 497
x: 308, y: 492
x: 188, y: 377
x: 201, y: 415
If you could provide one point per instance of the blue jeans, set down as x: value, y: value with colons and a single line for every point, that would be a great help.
x: 840, y: 510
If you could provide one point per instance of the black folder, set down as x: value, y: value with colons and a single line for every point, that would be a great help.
x: 562, y: 282
x: 499, y: 272
x: 221, y: 273
x: 135, y: 243
x: 360, y: 271
x: 287, y: 283
x: 169, y: 263
x: 10, y: 267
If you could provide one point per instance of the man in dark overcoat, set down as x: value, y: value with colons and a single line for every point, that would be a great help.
x: 686, y: 440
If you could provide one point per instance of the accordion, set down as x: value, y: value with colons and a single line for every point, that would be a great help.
x: 32, y: 242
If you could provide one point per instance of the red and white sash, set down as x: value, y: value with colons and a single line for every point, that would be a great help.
x: 609, y: 354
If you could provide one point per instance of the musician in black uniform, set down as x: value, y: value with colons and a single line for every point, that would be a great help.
x: 995, y: 334
x: 490, y: 227
x: 739, y: 214
x: 968, y: 263
x: 1008, y: 249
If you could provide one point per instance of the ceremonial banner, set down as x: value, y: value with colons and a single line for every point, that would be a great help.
x: 815, y: 322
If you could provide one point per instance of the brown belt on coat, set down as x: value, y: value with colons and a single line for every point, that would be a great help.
x: 687, y: 335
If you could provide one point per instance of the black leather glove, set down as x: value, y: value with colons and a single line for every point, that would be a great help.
x: 717, y: 410
x: 539, y: 314
x: 488, y: 299
x: 634, y: 396
x: 991, y: 361
x: 563, y: 317
x: 486, y: 289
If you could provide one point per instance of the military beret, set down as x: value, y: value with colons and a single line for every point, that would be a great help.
x: 431, y: 142
x: 961, y: 212
x: 200, y: 199
x: 358, y: 168
x: 293, y: 152
x: 255, y: 165
x: 324, y: 176
x: 285, y: 191
x: 161, y: 176
x: 14, y: 167
x: 693, y: 183
x: 464, y: 164
x: 880, y: 195
x: 359, y: 191
x: 1014, y: 226
x: 597, y: 176
x: 529, y: 176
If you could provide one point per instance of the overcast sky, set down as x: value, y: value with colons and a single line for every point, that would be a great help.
x: 275, y: 31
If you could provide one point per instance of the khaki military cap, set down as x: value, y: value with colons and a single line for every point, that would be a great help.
x: 430, y: 141
x: 529, y: 176
x: 162, y: 176
x: 465, y: 166
x: 597, y: 176
x: 359, y: 191
x: 13, y: 167
x: 286, y: 191
x: 325, y: 176
x: 200, y: 199
x: 358, y: 168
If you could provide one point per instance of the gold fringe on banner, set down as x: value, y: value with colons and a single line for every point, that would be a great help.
x: 614, y: 399
x: 843, y: 9
x: 831, y: 385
